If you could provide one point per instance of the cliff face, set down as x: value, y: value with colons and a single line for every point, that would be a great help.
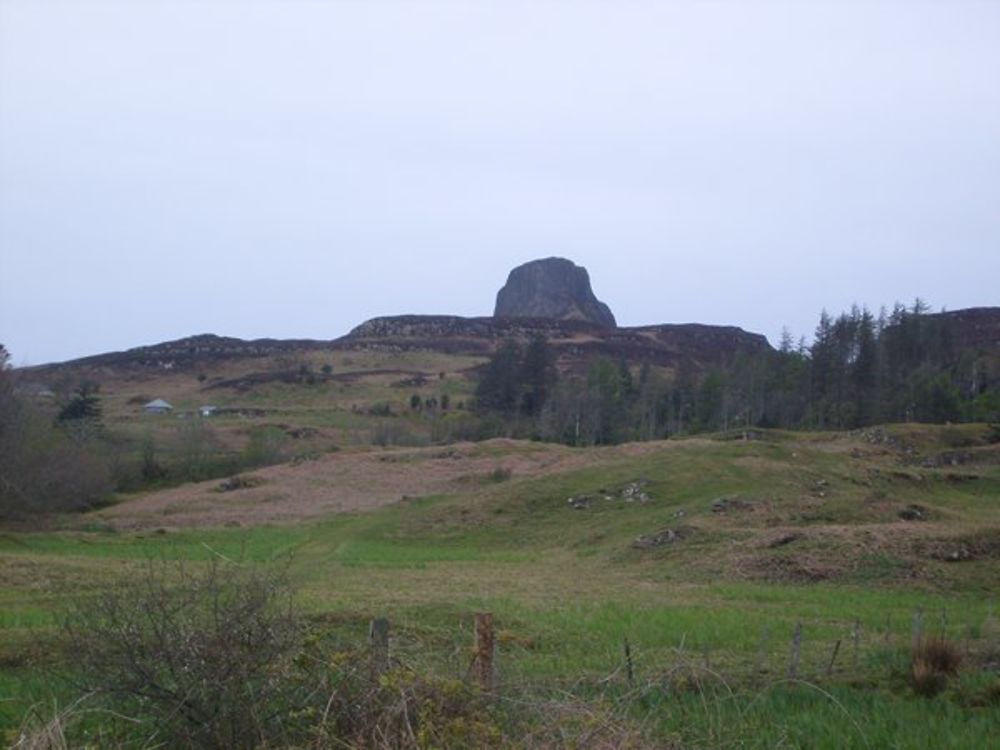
x: 553, y: 288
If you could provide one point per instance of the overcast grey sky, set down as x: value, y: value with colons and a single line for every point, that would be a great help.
x: 291, y: 168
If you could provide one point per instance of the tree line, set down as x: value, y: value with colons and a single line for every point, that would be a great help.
x: 60, y: 457
x: 860, y: 369
x: 48, y: 465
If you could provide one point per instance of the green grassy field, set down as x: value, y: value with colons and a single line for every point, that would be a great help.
x: 811, y: 535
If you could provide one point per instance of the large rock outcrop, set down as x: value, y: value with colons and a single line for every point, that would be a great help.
x: 553, y: 288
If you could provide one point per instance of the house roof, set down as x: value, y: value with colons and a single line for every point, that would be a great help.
x: 158, y: 403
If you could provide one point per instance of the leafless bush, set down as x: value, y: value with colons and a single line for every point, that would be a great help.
x: 204, y: 655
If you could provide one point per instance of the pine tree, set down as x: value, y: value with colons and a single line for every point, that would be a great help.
x: 499, y: 389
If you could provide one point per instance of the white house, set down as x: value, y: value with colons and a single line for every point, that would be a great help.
x: 206, y: 410
x: 158, y: 406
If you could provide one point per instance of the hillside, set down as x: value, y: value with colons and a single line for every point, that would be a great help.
x: 905, y: 505
x: 703, y: 554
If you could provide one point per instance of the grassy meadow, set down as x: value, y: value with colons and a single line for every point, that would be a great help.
x: 703, y: 554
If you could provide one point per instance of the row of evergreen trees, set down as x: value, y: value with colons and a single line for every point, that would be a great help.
x: 860, y: 370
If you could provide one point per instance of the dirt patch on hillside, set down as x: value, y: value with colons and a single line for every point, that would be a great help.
x: 349, y: 482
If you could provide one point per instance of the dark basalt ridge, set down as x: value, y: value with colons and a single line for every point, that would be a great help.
x: 185, y: 354
x: 976, y: 328
x: 575, y: 341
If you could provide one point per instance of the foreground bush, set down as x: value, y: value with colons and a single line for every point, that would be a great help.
x: 218, y: 657
x: 202, y: 658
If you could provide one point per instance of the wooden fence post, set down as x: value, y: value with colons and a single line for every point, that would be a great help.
x: 483, y: 667
x: 629, y: 671
x: 793, y: 660
x: 378, y: 644
x: 833, y: 658
x: 856, y: 640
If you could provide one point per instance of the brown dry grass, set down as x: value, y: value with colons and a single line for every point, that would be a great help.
x: 352, y: 481
x: 933, y: 661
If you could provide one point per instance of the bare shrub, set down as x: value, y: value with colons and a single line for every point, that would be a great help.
x: 239, y: 482
x: 205, y: 656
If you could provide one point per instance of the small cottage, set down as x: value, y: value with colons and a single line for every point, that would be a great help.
x: 207, y: 410
x: 158, y: 406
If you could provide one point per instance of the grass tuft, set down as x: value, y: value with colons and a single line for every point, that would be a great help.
x: 933, y: 661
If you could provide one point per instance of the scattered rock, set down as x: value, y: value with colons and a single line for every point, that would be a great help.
x: 633, y: 491
x: 301, y: 433
x: 239, y: 482
x: 819, y: 488
x: 730, y: 504
x: 881, y: 436
x: 661, y: 538
x: 579, y: 502
x: 914, y: 512
x: 783, y: 540
x: 630, y: 493
x: 961, y: 554
x: 876, y: 436
x: 948, y: 458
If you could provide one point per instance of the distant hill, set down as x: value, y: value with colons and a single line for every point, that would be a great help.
x: 575, y: 341
x: 976, y: 328
x: 550, y: 298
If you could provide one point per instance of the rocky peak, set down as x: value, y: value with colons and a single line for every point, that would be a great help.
x: 553, y: 288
